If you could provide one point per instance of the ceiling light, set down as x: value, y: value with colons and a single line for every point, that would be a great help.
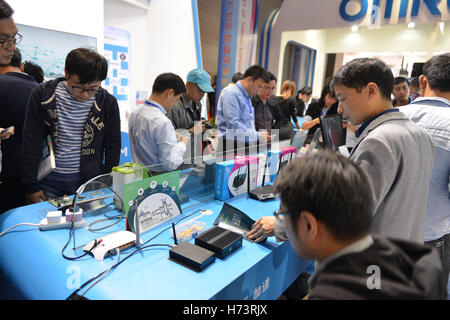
x: 411, y: 25
x: 355, y: 28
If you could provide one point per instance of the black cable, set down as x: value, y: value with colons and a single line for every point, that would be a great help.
x: 75, y: 293
x: 68, y: 241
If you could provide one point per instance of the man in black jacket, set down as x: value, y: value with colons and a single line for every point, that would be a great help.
x: 15, y: 89
x: 83, y: 122
x: 326, y: 209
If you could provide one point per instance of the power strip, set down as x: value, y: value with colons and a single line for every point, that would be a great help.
x: 44, y: 225
x: 55, y: 220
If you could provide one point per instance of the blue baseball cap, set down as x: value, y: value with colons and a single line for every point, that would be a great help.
x: 201, y: 78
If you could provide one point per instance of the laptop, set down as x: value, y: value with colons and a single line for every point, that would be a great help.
x: 299, y: 139
x: 333, y: 133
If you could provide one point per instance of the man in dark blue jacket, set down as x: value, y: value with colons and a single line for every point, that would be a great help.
x: 83, y: 122
x: 15, y: 90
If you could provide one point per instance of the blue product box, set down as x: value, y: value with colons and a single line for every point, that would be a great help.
x: 277, y: 159
x: 232, y: 175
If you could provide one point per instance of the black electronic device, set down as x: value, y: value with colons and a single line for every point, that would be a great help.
x: 265, y: 192
x: 239, y: 179
x: 333, y: 132
x: 192, y: 256
x: 221, y: 241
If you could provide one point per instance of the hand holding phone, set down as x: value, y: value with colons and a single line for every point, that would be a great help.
x: 6, y: 133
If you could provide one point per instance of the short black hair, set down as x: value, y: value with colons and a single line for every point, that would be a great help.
x: 271, y: 76
x: 398, y: 80
x: 87, y: 64
x: 359, y: 72
x: 305, y: 90
x: 437, y: 71
x: 16, y: 60
x: 34, y: 70
x: 332, y: 188
x: 236, y: 77
x: 169, y: 80
x: 415, y: 83
x: 5, y: 10
x: 256, y: 72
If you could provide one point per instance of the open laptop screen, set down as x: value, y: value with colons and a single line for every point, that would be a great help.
x: 333, y: 133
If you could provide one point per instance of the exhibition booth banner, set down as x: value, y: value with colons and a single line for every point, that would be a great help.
x: 117, y: 53
x: 237, y: 46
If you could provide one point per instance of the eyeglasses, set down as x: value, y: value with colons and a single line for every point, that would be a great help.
x: 80, y: 90
x: 280, y: 214
x: 268, y: 89
x: 6, y: 44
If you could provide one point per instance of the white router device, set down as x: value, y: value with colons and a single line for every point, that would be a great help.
x: 108, y: 244
x: 55, y: 220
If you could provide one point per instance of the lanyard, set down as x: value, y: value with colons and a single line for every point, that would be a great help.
x: 154, y: 105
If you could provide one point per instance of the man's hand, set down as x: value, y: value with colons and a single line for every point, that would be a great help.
x: 349, y: 126
x: 264, y: 136
x: 199, y: 127
x: 35, y: 197
x: 184, y: 139
x: 262, y: 229
x: 6, y: 133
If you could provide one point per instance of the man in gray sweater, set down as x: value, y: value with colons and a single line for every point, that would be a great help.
x: 394, y: 153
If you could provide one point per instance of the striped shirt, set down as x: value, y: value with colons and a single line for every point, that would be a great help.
x: 72, y: 116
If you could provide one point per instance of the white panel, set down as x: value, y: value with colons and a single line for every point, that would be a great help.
x: 84, y: 17
x: 170, y: 39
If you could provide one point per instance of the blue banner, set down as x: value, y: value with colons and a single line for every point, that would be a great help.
x: 237, y: 46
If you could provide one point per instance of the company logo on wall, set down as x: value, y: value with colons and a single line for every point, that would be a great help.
x: 351, y: 10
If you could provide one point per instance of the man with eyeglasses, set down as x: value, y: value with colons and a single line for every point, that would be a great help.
x: 267, y: 110
x: 326, y: 209
x: 83, y: 121
x: 187, y: 111
x: 9, y: 36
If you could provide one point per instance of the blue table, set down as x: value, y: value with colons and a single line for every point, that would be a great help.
x: 32, y: 266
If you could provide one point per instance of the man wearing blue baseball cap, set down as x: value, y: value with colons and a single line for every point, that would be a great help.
x: 187, y: 112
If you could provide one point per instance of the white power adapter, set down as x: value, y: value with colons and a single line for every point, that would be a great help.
x: 55, y: 220
x: 54, y: 216
x: 75, y: 217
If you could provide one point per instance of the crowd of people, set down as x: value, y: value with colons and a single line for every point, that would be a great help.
x: 386, y: 207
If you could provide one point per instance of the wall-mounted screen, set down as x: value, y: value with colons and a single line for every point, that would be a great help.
x: 49, y: 48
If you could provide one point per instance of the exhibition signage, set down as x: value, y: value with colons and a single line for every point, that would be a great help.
x: 117, y: 44
x: 237, y: 46
x: 431, y: 5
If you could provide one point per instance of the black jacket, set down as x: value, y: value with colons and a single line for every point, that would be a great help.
x: 407, y: 270
x: 100, y: 148
x: 266, y: 114
x: 315, y: 110
x: 15, y: 90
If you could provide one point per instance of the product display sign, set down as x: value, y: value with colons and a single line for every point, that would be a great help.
x: 154, y: 200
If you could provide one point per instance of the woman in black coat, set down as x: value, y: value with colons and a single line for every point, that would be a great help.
x: 327, y: 104
x: 287, y: 104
